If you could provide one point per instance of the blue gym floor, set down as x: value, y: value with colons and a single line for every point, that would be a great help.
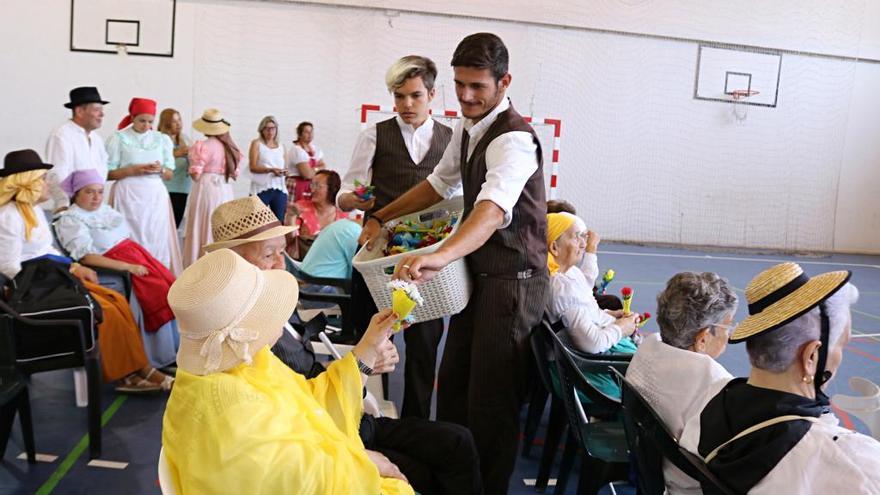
x: 132, y: 430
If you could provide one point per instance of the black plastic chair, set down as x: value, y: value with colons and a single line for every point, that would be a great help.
x: 34, y: 331
x: 651, y: 442
x: 14, y: 397
x: 557, y: 424
x: 603, y: 442
x: 348, y: 334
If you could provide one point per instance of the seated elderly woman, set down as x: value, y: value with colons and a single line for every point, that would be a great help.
x: 763, y: 434
x: 98, y: 235
x: 674, y: 370
x: 25, y: 235
x: 588, y: 328
x: 238, y: 419
x: 450, y: 466
x: 312, y: 214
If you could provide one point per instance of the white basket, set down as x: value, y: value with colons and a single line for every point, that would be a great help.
x: 445, y: 294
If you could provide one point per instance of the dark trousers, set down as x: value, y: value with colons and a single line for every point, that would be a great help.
x: 484, y: 372
x: 276, y: 201
x: 422, y: 340
x: 178, y: 204
x: 436, y: 457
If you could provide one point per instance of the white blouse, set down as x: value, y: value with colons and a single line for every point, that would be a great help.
x: 677, y: 383
x: 298, y: 155
x: 271, y: 158
x: 127, y: 147
x: 590, y: 329
x: 82, y: 232
x: 15, y: 249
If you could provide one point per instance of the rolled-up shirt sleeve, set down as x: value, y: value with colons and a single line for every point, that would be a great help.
x: 446, y: 176
x: 361, y: 166
x: 510, y: 161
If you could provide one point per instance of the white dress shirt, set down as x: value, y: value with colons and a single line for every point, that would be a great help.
x: 15, y: 249
x: 677, y: 383
x: 416, y: 139
x: 510, y: 161
x: 590, y: 329
x: 70, y: 148
x: 297, y: 155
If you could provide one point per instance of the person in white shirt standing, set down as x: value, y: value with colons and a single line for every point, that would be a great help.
x: 394, y: 155
x: 74, y: 145
x: 266, y: 157
x: 495, y: 158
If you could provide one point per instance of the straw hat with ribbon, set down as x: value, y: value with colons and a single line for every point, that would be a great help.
x: 212, y: 123
x: 228, y: 309
x: 779, y: 295
x: 244, y: 220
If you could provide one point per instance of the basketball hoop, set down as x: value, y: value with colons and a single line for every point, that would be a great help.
x: 738, y: 97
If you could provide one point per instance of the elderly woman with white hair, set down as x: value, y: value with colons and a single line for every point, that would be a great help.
x: 763, y: 434
x: 587, y: 327
x: 674, y: 369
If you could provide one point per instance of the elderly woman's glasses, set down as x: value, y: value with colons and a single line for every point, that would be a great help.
x: 314, y: 186
x: 727, y: 328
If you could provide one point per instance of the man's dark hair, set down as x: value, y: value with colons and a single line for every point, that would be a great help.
x: 560, y: 206
x: 483, y: 51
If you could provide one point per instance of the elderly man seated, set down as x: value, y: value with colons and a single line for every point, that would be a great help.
x: 436, y: 457
x: 674, y: 370
x: 769, y: 433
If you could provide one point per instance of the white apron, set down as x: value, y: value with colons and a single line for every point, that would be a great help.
x: 145, y: 204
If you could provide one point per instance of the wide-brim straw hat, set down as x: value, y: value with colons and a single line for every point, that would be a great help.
x: 244, y: 220
x: 228, y: 309
x: 781, y: 294
x: 212, y: 123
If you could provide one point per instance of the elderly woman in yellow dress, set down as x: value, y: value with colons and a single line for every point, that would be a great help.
x: 238, y: 419
x: 773, y: 432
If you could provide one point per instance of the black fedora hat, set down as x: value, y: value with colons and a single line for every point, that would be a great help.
x: 20, y: 161
x: 84, y: 95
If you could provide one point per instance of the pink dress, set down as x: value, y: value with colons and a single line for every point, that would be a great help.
x: 207, y: 161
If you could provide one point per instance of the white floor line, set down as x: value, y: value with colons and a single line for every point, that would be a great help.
x: 39, y: 457
x: 99, y: 463
x: 732, y: 258
x: 532, y: 481
x: 869, y: 315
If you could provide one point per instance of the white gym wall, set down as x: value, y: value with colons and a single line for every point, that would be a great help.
x: 641, y: 158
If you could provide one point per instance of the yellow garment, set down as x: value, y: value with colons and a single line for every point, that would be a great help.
x: 557, y: 224
x: 262, y: 428
x: 25, y: 188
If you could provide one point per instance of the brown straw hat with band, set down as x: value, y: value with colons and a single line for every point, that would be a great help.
x: 244, y: 220
x: 782, y: 293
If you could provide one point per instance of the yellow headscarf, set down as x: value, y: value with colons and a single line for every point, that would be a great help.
x: 25, y: 188
x: 557, y: 224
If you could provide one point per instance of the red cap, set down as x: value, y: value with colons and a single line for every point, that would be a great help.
x: 137, y: 107
x: 626, y: 291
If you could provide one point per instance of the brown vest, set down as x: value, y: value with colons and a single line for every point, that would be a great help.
x: 394, y: 171
x: 520, y: 249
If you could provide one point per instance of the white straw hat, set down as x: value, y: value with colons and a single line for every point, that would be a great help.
x: 212, y: 123
x: 228, y: 309
x: 244, y: 220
